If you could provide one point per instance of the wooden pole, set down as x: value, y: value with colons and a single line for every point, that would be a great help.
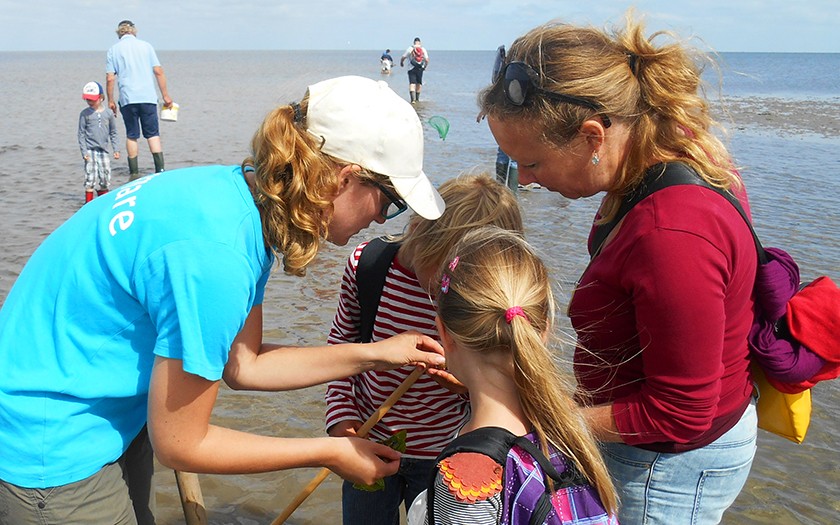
x: 191, y: 499
x: 362, y: 432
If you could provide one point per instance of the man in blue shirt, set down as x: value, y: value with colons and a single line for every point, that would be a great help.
x: 135, y: 67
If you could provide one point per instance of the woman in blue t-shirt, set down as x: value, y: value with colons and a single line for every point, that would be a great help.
x: 128, y: 315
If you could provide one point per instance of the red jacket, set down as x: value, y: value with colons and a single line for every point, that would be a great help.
x: 662, y: 316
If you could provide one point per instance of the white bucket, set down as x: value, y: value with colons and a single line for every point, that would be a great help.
x: 170, y: 113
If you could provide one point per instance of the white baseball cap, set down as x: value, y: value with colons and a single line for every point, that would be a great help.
x: 364, y: 122
x: 92, y: 91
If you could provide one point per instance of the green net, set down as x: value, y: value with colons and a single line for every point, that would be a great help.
x: 440, y: 124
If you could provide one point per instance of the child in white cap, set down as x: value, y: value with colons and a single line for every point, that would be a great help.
x: 97, y: 127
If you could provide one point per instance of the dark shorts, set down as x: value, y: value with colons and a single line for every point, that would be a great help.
x: 137, y: 116
x: 415, y: 75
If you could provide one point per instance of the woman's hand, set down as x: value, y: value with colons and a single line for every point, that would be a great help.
x: 406, y: 349
x: 362, y: 461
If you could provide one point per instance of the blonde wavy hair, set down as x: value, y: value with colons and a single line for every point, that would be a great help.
x: 656, y: 90
x: 295, y: 184
x: 497, y: 270
x: 471, y: 201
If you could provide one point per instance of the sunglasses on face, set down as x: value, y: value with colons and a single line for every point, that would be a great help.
x: 520, y: 80
x: 395, y: 204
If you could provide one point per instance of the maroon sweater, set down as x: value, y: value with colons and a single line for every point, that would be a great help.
x: 662, y: 316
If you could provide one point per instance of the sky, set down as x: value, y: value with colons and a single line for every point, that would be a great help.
x: 720, y: 25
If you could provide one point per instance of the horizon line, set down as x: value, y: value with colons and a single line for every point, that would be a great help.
x: 374, y: 50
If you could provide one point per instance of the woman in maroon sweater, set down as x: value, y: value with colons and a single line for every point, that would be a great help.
x: 663, y: 311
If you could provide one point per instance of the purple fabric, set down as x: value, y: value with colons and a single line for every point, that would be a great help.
x: 523, y: 483
x: 775, y: 283
x: 784, y: 360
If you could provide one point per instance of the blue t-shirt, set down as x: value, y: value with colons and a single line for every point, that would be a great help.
x: 133, y: 61
x: 168, y: 265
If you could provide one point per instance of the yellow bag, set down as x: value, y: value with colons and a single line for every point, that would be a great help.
x: 787, y: 415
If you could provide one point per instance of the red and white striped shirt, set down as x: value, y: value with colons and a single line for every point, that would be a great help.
x: 430, y: 414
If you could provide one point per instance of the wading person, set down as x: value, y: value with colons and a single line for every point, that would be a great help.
x: 133, y: 65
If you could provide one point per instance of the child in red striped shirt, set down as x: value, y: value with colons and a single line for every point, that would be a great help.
x: 429, y: 412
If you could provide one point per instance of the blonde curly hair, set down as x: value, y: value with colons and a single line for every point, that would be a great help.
x: 655, y: 89
x: 294, y: 185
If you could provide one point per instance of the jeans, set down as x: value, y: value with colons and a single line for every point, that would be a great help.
x: 686, y: 488
x: 360, y: 507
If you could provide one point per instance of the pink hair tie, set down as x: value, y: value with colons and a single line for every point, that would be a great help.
x: 513, y: 311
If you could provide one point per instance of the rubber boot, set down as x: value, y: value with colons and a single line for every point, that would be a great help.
x: 133, y: 170
x: 88, y: 196
x: 417, y: 97
x: 413, y: 96
x: 158, y: 157
x: 101, y: 191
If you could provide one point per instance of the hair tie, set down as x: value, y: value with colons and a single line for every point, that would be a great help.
x: 298, y: 113
x: 514, y: 311
x: 633, y: 62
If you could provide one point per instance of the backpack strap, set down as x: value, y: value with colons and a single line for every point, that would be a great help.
x: 661, y: 176
x: 371, y: 271
x: 494, y: 442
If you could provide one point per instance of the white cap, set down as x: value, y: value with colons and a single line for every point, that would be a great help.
x: 365, y: 122
x: 92, y: 91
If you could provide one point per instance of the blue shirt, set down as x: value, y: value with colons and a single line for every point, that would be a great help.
x: 168, y: 265
x: 133, y: 61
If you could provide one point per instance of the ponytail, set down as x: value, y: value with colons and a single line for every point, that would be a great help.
x: 294, y: 183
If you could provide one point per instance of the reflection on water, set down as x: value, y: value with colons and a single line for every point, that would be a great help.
x: 792, y: 180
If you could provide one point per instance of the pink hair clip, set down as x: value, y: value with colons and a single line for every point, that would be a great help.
x: 454, y: 263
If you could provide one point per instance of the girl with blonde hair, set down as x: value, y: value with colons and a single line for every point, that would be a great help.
x: 495, y: 308
x: 663, y: 310
x: 181, y: 261
x: 434, y: 408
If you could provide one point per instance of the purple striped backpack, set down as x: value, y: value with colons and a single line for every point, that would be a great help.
x: 526, y: 497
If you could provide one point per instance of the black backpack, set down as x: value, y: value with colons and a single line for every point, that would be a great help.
x: 371, y: 271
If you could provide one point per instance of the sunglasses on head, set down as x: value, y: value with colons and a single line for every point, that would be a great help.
x: 395, y: 204
x: 520, y: 80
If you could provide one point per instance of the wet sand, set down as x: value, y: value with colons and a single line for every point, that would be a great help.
x: 781, y: 116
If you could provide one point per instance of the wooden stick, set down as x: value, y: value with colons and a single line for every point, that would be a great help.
x: 191, y: 499
x: 362, y: 432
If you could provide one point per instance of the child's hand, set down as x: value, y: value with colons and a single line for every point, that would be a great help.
x: 346, y: 428
x: 447, y: 380
x: 116, y: 154
x: 87, y: 158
